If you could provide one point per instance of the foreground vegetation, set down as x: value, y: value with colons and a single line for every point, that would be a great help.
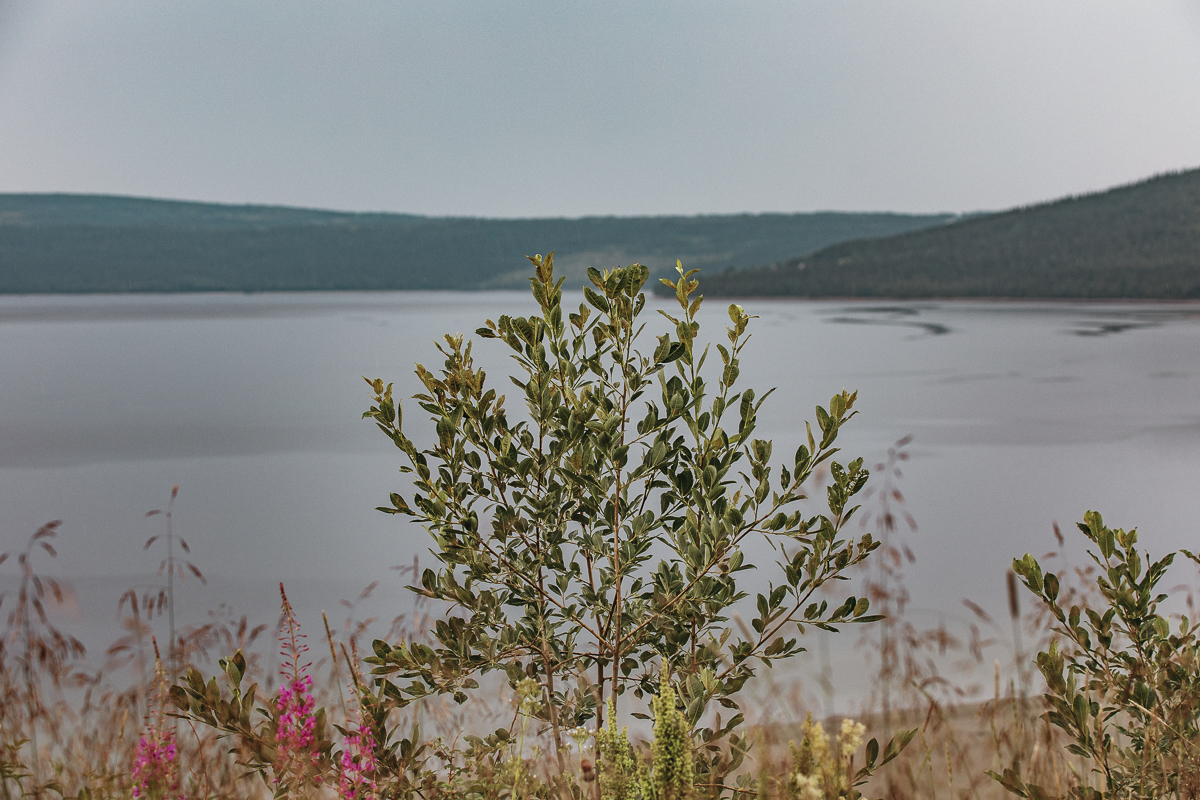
x: 590, y: 548
x: 1138, y: 241
x: 97, y: 730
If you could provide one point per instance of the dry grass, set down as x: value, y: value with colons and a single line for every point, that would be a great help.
x: 84, y: 720
x: 88, y: 721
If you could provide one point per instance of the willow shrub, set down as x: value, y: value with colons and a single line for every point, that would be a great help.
x: 598, y: 534
x: 1123, y: 680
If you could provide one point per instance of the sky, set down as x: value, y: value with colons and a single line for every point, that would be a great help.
x: 544, y: 108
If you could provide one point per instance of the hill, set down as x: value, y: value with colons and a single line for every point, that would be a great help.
x: 94, y: 243
x: 1135, y: 241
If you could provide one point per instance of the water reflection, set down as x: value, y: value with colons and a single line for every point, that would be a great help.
x: 896, y: 316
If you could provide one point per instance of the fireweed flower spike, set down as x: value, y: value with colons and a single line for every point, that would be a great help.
x: 155, y: 771
x: 358, y: 766
x: 295, y: 737
x: 155, y: 774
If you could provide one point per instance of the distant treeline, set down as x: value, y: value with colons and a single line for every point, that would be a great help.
x: 83, y: 243
x: 1136, y: 241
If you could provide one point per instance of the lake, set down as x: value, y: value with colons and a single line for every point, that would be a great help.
x: 1021, y: 414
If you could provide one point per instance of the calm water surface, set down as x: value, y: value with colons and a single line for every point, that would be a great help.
x: 1021, y: 414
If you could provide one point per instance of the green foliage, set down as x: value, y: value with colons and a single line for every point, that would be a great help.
x: 13, y: 772
x: 674, y: 778
x: 1132, y: 241
x: 601, y: 536
x: 668, y: 774
x: 1124, y: 682
x: 236, y: 714
x: 251, y: 728
x: 621, y: 770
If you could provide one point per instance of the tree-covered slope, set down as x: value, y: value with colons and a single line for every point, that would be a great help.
x: 1136, y: 241
x: 82, y: 243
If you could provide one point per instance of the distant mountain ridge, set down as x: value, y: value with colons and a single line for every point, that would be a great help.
x: 55, y: 243
x: 119, y: 211
x: 1138, y: 241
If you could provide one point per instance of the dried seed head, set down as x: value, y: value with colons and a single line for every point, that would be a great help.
x: 1014, y: 599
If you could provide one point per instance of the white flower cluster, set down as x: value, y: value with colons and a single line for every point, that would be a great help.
x: 850, y: 737
x: 822, y: 771
x: 809, y: 787
x: 582, y: 737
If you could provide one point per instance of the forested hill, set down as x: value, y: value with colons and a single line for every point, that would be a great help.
x: 1136, y: 241
x: 87, y: 243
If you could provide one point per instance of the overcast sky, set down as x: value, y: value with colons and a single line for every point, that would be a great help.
x: 551, y: 108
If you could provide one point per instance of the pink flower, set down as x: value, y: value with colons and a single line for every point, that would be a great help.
x: 296, y: 755
x: 358, y: 766
x: 295, y: 735
x: 155, y: 773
